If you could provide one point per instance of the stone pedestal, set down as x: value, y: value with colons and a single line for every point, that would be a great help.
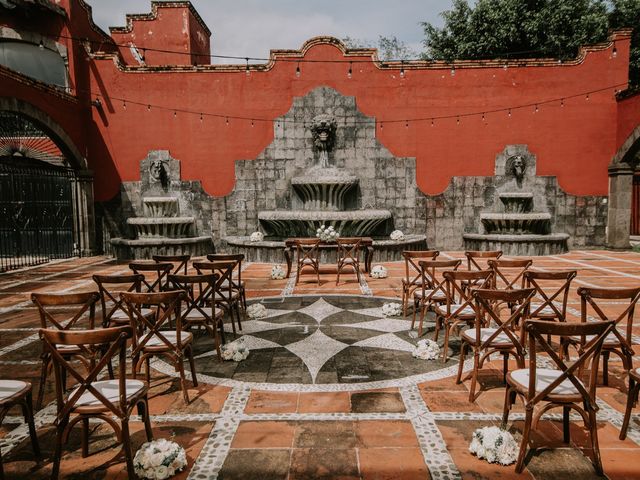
x: 619, y: 219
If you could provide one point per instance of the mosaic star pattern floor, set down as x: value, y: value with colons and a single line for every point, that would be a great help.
x: 295, y: 411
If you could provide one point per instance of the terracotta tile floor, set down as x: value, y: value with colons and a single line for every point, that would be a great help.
x: 234, y: 428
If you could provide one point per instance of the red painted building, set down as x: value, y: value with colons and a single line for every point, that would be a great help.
x: 150, y: 86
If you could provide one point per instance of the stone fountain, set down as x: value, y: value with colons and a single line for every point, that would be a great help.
x: 516, y: 228
x: 324, y: 192
x: 325, y: 165
x: 161, y: 229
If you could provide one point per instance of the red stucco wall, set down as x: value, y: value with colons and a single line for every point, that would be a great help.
x: 575, y: 142
x: 628, y: 117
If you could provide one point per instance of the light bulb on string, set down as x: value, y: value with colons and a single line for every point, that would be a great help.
x: 587, y: 97
x: 432, y: 122
x: 175, y: 114
x: 505, y: 66
x: 536, y: 109
x: 614, y: 52
x: 124, y: 104
x: 453, y: 70
x: 246, y: 70
x: 41, y: 45
x: 381, y: 126
x: 458, y: 121
x: 252, y: 122
x: 483, y: 118
x: 562, y: 102
x: 298, y: 70
x: 509, y: 113
x: 406, y: 124
x: 350, y: 72
x: 201, y: 118
x: 148, y: 108
x: 226, y: 121
x: 402, y: 69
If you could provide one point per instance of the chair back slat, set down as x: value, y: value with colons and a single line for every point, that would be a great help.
x: 50, y: 305
x: 475, y: 258
x: 349, y: 248
x: 411, y: 267
x: 508, y: 273
x: 431, y: 275
x: 549, y: 292
x: 109, y: 288
x: 458, y: 293
x: 180, y: 262
x: 238, y: 258
x: 155, y: 274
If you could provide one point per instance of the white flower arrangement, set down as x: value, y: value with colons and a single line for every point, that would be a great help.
x: 236, y: 350
x: 159, y: 459
x: 277, y: 272
x: 378, y: 271
x: 256, y: 310
x: 327, y: 234
x: 256, y: 237
x: 495, y: 445
x: 397, y: 235
x: 392, y: 309
x: 426, y: 350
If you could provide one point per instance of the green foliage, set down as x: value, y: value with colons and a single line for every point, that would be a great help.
x: 389, y: 48
x: 530, y: 28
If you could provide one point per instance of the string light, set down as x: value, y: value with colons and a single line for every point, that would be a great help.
x: 587, y: 97
x: 402, y: 69
x: 148, y: 108
x: 226, y: 121
x: 509, y: 113
x: 453, y: 70
x: 201, y: 118
x: 614, y: 52
x: 350, y: 72
x: 505, y: 66
x: 562, y: 102
x: 483, y: 119
x: 536, y: 109
x: 124, y: 104
x: 175, y: 114
x: 252, y: 122
x: 298, y: 70
x: 246, y: 70
x: 458, y: 121
x: 406, y: 124
x: 381, y: 126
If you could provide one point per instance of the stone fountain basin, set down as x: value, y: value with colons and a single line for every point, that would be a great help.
x: 516, y: 223
x: 516, y: 195
x: 515, y: 216
x: 160, y: 220
x: 298, y: 223
x: 167, y: 227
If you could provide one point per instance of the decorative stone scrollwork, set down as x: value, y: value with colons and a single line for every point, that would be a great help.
x: 158, y: 172
x: 517, y: 166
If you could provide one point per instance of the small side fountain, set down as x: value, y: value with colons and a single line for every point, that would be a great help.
x: 324, y: 192
x: 161, y: 229
x: 517, y: 229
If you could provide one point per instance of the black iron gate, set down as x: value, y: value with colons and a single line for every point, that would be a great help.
x: 36, y: 212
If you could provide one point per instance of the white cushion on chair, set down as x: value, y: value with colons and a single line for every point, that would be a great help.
x: 110, y: 389
x: 171, y: 336
x: 437, y: 296
x: 119, y: 314
x: 544, y: 378
x: 11, y: 387
x: 485, y: 333
x: 466, y: 311
x: 609, y: 340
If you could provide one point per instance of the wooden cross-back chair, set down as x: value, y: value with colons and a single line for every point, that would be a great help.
x: 63, y: 312
x: 14, y: 393
x: 619, y: 341
x: 632, y: 399
x: 150, y: 340
x: 432, y: 289
x: 348, y: 255
x: 552, y: 293
x: 114, y: 312
x: 109, y: 400
x: 478, y: 260
x: 460, y: 308
x: 200, y: 306
x: 412, y: 274
x: 155, y: 275
x: 225, y: 295
x: 236, y: 279
x: 508, y: 274
x: 485, y: 339
x: 542, y: 389
x: 308, y: 256
x: 180, y: 262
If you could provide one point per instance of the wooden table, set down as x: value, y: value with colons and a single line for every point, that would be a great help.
x: 366, y: 243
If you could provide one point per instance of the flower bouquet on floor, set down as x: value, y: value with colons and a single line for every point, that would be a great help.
x: 159, y: 459
x: 277, y: 272
x: 379, y: 271
x: 495, y: 445
x: 236, y: 350
x: 256, y: 310
x: 426, y: 350
x: 327, y: 234
x: 392, y: 309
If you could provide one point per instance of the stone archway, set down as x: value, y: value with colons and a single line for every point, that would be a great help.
x: 623, y: 166
x: 82, y: 189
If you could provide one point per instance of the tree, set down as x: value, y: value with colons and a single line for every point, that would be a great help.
x: 389, y: 48
x: 626, y: 13
x: 522, y: 28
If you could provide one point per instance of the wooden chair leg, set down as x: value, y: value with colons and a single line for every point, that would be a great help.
x: 445, y: 345
x: 631, y: 398
x: 27, y: 412
x: 525, y: 440
x: 183, y: 380
x: 509, y: 400
x: 143, y: 411
x: 593, y: 427
x: 43, y: 381
x: 192, y: 364
x: 85, y: 437
x: 474, y: 375
x: 463, y: 354
x: 55, y: 471
x: 126, y: 446
x: 605, y: 368
x: 566, y: 430
x: 338, y: 275
x: 423, y: 311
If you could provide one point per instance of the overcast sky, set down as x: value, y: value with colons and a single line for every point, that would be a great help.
x: 250, y: 28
